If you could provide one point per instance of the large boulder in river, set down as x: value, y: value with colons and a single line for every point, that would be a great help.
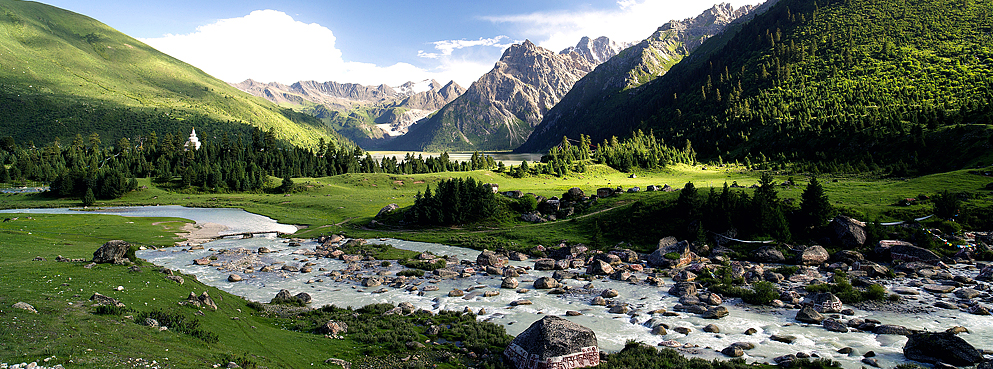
x: 599, y: 267
x: 808, y: 314
x: 681, y: 289
x: 768, y: 254
x: 942, y: 347
x: 910, y: 253
x: 546, y: 283
x: 554, y: 340
x: 490, y: 258
x: 675, y: 255
x: 825, y: 302
x: 813, y: 255
x: 848, y: 232
x: 114, y: 251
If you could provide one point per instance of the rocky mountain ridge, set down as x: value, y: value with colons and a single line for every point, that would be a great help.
x: 365, y: 114
x: 500, y: 110
x: 641, y: 63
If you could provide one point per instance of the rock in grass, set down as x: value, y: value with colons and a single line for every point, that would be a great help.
x: 105, y: 300
x: 25, y: 306
x: 113, y: 251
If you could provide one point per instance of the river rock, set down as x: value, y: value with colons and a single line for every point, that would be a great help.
x: 910, y: 253
x: 684, y: 276
x: 546, y: 283
x: 848, y: 232
x: 599, y: 301
x: 234, y: 278
x: 834, y: 325
x: 659, y: 330
x: 967, y: 293
x: 893, y: 329
x: 978, y: 309
x: 490, y: 258
x: 712, y: 328
x: 943, y: 347
x: 733, y: 351
x: 620, y: 275
x: 619, y: 309
x: 553, y: 340
x: 813, y: 255
x: 715, y: 312
x: 610, y: 293
x: 517, y: 256
x: 905, y: 290
x: 113, y: 251
x: 372, y: 282
x: 744, y: 345
x: 544, y: 264
x: 599, y: 267
x: 456, y: 293
x: 782, y: 338
x: 303, y: 297
x: 824, y: 302
x: 938, y: 288
x: 769, y: 254
x: 684, y: 255
x: 682, y: 330
x: 808, y: 314
x: 681, y: 289
x: 510, y: 282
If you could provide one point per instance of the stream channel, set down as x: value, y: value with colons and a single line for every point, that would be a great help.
x: 612, y: 330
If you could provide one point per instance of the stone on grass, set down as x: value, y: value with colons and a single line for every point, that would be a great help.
x: 114, y: 251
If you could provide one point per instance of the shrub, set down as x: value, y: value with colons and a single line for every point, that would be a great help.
x: 875, y: 292
x: 111, y: 310
x: 179, y: 323
x: 762, y: 293
x: 423, y: 265
x: 671, y: 256
x: 255, y: 305
x: 385, y: 264
x: 411, y: 273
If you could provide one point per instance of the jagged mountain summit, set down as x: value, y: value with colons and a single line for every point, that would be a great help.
x: 368, y: 115
x: 596, y: 51
x: 632, y: 67
x: 500, y: 110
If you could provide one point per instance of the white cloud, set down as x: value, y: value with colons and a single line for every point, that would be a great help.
x: 631, y: 21
x: 448, y: 46
x: 270, y: 46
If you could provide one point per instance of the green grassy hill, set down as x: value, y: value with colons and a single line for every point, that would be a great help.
x: 904, y: 85
x: 63, y: 73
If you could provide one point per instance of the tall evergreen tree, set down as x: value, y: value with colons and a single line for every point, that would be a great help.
x: 815, y: 208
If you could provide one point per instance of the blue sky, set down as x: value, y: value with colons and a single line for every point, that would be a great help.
x: 371, y: 41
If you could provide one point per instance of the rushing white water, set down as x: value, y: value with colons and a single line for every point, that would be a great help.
x: 612, y: 330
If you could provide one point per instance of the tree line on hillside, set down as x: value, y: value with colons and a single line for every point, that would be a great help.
x: 641, y: 151
x: 233, y: 163
x: 833, y: 85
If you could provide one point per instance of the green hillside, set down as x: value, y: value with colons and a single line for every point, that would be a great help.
x: 842, y: 84
x: 63, y: 73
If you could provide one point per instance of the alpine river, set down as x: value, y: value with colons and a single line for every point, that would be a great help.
x: 612, y: 330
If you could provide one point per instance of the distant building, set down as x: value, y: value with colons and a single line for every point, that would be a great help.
x: 193, y: 142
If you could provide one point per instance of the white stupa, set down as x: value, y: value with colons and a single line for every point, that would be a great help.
x: 193, y: 142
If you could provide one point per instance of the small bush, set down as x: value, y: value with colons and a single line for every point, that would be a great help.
x: 111, y: 310
x: 179, y: 323
x: 255, y: 305
x: 762, y: 293
x: 671, y: 256
x: 875, y: 292
x: 410, y: 273
x: 423, y: 265
x: 385, y: 264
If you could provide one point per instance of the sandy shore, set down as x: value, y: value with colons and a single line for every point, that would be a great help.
x: 199, y: 233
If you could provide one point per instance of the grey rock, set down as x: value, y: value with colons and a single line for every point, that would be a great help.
x: 782, y: 338
x: 510, y: 282
x: 808, y: 314
x: 105, y: 300
x: 548, y: 338
x: 893, y: 329
x: 769, y: 254
x: 715, y: 312
x: 599, y: 267
x: 681, y: 289
x: 813, y: 255
x: 489, y: 258
x: 712, y: 328
x: 113, y: 251
x: 733, y: 351
x: 834, y: 325
x: 545, y: 283
x: 848, y: 232
x: 941, y: 347
x: 610, y: 293
x: 24, y: 306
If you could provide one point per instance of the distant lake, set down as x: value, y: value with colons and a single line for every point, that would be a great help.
x: 508, y: 158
